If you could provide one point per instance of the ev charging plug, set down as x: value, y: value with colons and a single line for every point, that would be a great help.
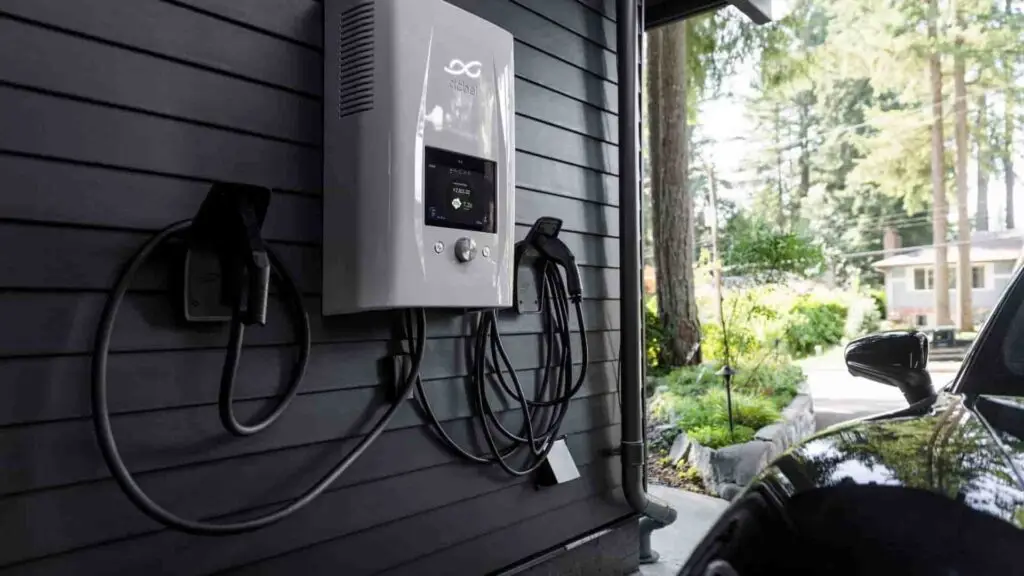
x: 542, y: 243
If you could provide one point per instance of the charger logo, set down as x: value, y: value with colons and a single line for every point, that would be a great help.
x: 457, y: 68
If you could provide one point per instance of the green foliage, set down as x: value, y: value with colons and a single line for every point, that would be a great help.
x: 769, y: 323
x: 718, y: 436
x: 813, y: 323
x: 693, y: 399
x: 688, y: 474
x: 653, y: 337
x: 777, y: 381
x: 750, y: 315
x: 709, y: 408
x: 759, y: 251
x: 843, y: 116
x: 748, y: 409
x: 880, y: 299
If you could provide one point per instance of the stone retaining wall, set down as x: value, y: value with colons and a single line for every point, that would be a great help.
x: 726, y: 470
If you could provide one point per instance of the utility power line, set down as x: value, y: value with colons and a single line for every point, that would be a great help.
x: 897, y: 251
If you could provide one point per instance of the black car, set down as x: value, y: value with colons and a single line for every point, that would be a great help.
x: 934, y: 488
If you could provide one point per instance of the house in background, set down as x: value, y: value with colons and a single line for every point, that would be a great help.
x: 910, y: 281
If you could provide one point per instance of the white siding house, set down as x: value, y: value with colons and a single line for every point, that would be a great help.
x: 909, y: 277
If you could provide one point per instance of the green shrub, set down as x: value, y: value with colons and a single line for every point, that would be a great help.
x: 750, y: 318
x: 708, y: 411
x: 693, y: 399
x: 653, y: 337
x: 774, y: 379
x: 812, y: 322
x: 718, y: 436
x: 879, y: 298
x: 692, y: 380
x: 747, y: 409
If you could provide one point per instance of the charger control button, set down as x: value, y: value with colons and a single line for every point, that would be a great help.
x: 465, y: 249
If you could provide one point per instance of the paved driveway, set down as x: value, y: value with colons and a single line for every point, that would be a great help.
x: 839, y: 397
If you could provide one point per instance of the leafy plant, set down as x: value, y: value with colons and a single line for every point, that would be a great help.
x: 748, y: 409
x: 718, y: 436
x: 763, y: 253
x: 653, y: 337
x: 692, y: 399
x: 879, y: 298
x: 812, y: 323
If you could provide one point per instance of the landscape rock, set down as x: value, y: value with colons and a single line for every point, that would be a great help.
x: 680, y: 448
x: 739, y: 463
x: 728, y: 490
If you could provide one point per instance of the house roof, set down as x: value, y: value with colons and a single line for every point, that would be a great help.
x: 985, y: 247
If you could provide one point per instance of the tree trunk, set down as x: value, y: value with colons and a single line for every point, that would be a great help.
x: 981, y: 208
x: 672, y: 205
x: 1008, y: 126
x: 716, y: 265
x: 940, y: 210
x: 963, y: 223
x: 781, y: 216
x: 806, y: 101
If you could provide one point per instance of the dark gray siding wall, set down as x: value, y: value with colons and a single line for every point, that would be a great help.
x: 115, y: 116
x: 610, y: 552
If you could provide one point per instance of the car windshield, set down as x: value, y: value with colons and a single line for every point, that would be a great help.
x: 998, y: 366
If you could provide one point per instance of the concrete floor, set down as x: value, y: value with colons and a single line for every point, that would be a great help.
x: 674, y: 543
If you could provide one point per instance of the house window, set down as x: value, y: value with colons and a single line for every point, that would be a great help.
x: 978, y: 277
x: 924, y: 278
x: 921, y: 320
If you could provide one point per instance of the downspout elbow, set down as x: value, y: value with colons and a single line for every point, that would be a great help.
x: 633, y: 487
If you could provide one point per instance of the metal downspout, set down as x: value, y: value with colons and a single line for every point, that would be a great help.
x: 656, y: 514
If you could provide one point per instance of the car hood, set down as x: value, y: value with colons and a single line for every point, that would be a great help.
x: 973, y: 454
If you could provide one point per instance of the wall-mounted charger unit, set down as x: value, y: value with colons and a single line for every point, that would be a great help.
x: 419, y: 157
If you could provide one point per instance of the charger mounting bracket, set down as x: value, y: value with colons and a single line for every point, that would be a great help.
x: 529, y: 266
x: 226, y: 262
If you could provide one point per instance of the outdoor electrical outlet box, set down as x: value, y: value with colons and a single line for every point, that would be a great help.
x: 419, y: 157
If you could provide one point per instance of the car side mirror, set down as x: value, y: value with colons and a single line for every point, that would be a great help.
x: 897, y: 358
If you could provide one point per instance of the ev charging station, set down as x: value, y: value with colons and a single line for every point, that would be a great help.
x: 419, y: 157
x: 418, y: 213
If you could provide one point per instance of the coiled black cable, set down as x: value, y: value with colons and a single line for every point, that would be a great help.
x: 543, y: 415
x: 101, y: 411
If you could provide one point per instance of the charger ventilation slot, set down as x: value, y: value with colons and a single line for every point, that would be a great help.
x: 355, y: 60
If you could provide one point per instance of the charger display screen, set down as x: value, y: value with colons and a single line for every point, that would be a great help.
x: 460, y: 191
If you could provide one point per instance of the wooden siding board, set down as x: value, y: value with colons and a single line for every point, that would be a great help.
x: 74, y: 517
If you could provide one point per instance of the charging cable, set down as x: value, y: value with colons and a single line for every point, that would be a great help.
x: 415, y: 320
x: 544, y: 413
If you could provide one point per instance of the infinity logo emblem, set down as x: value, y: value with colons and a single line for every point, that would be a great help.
x: 457, y: 68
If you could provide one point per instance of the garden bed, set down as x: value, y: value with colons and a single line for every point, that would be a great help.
x: 690, y: 437
x: 726, y: 470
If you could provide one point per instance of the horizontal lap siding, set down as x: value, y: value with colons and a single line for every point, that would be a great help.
x: 115, y: 117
